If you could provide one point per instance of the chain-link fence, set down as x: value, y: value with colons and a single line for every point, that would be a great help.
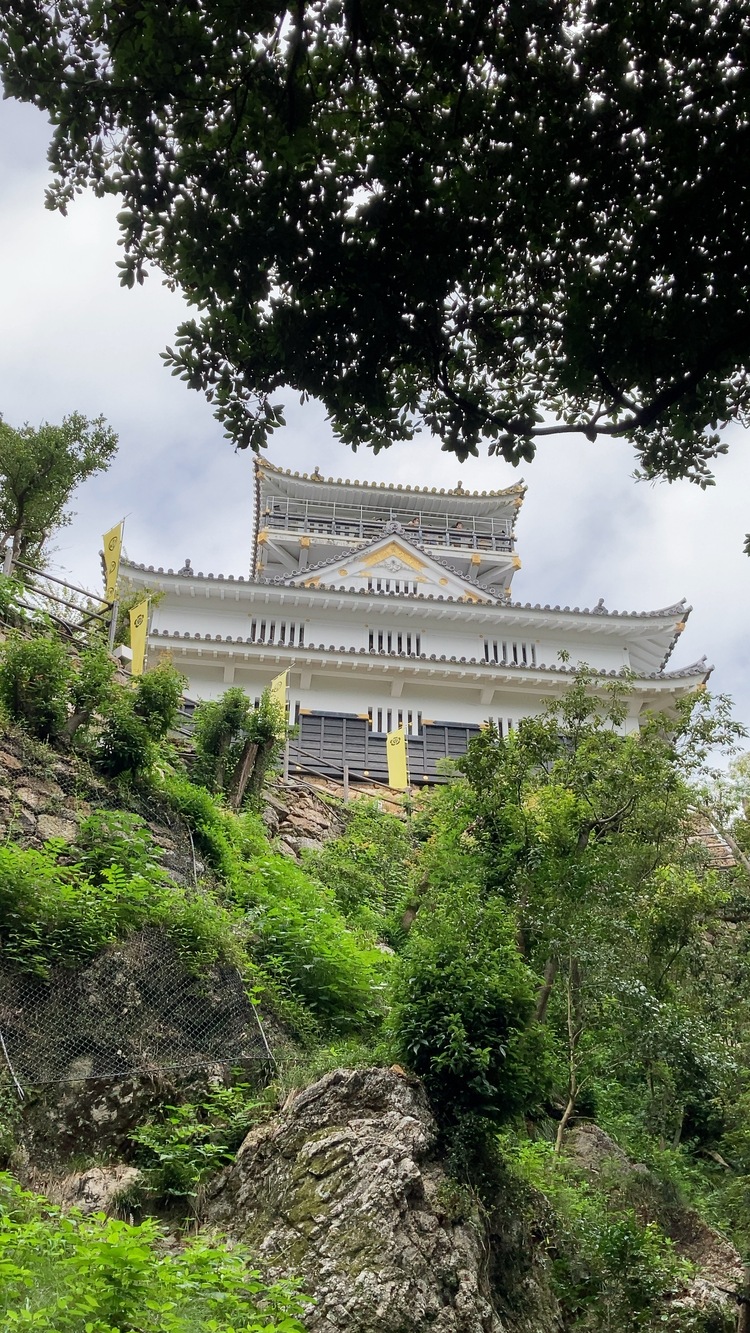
x: 135, y: 1008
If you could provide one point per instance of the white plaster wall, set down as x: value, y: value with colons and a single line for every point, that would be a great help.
x: 338, y: 691
x: 332, y: 693
x: 606, y: 655
x: 350, y: 627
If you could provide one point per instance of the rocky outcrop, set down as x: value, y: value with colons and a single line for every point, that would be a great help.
x: 100, y: 1189
x: 45, y: 794
x: 718, y: 1266
x: 342, y: 1189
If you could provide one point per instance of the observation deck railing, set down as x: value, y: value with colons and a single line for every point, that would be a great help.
x: 467, y: 536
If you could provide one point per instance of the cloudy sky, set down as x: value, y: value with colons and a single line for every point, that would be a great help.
x: 72, y: 340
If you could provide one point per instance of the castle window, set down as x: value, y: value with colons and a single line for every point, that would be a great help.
x: 382, y: 720
x: 394, y: 641
x: 393, y: 585
x: 522, y: 653
x: 281, y: 632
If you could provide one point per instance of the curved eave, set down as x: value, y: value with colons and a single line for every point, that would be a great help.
x: 526, y: 612
x: 679, y: 628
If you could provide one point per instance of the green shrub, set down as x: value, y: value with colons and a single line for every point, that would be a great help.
x: 135, y: 719
x: 186, y: 1144
x: 10, y: 1119
x: 52, y: 913
x: 732, y: 1207
x: 124, y: 747
x: 297, y: 934
x: 462, y: 1003
x: 293, y: 930
x: 157, y: 698
x: 109, y: 838
x: 367, y: 868
x: 610, y: 1270
x: 51, y: 692
x: 219, y: 736
x: 92, y: 682
x: 35, y: 677
x: 11, y: 594
x: 226, y: 729
x: 63, y: 1273
x: 211, y: 826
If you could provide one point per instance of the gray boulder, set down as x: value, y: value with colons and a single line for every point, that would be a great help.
x: 340, y: 1188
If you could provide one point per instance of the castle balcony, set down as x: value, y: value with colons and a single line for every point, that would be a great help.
x: 351, y: 525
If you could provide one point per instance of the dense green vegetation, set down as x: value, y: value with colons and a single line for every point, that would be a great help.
x: 68, y: 1274
x: 62, y: 697
x: 235, y: 744
x: 543, y: 939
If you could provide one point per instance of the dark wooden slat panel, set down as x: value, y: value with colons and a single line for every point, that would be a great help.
x: 328, y: 741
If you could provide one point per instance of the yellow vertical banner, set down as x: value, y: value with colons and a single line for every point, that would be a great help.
x: 278, y: 688
x: 112, y: 552
x: 398, y: 762
x: 138, y: 633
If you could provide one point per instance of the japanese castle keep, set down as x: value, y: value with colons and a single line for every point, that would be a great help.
x: 392, y: 605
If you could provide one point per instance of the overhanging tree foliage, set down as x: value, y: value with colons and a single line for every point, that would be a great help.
x: 467, y: 216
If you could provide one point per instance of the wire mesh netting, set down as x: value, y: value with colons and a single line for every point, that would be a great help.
x: 135, y: 1008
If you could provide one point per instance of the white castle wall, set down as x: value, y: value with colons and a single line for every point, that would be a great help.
x: 346, y: 629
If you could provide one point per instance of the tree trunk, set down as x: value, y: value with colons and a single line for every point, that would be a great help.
x: 567, y: 1113
x: 743, y: 1314
x: 550, y: 972
x: 75, y: 721
x: 16, y: 548
x: 242, y: 774
x: 266, y: 751
x: 575, y: 1031
x: 221, y: 758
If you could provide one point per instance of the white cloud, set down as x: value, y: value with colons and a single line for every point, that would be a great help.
x: 72, y: 339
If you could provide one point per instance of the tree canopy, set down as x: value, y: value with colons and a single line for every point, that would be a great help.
x: 496, y: 221
x: 39, y: 470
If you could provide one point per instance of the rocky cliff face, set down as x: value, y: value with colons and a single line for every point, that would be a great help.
x: 342, y: 1188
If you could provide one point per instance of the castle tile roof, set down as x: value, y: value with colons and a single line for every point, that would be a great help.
x: 663, y: 613
x: 262, y: 464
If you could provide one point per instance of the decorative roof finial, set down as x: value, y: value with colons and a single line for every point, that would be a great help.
x: 187, y: 568
x: 459, y: 488
x: 316, y: 474
x: 600, y: 609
